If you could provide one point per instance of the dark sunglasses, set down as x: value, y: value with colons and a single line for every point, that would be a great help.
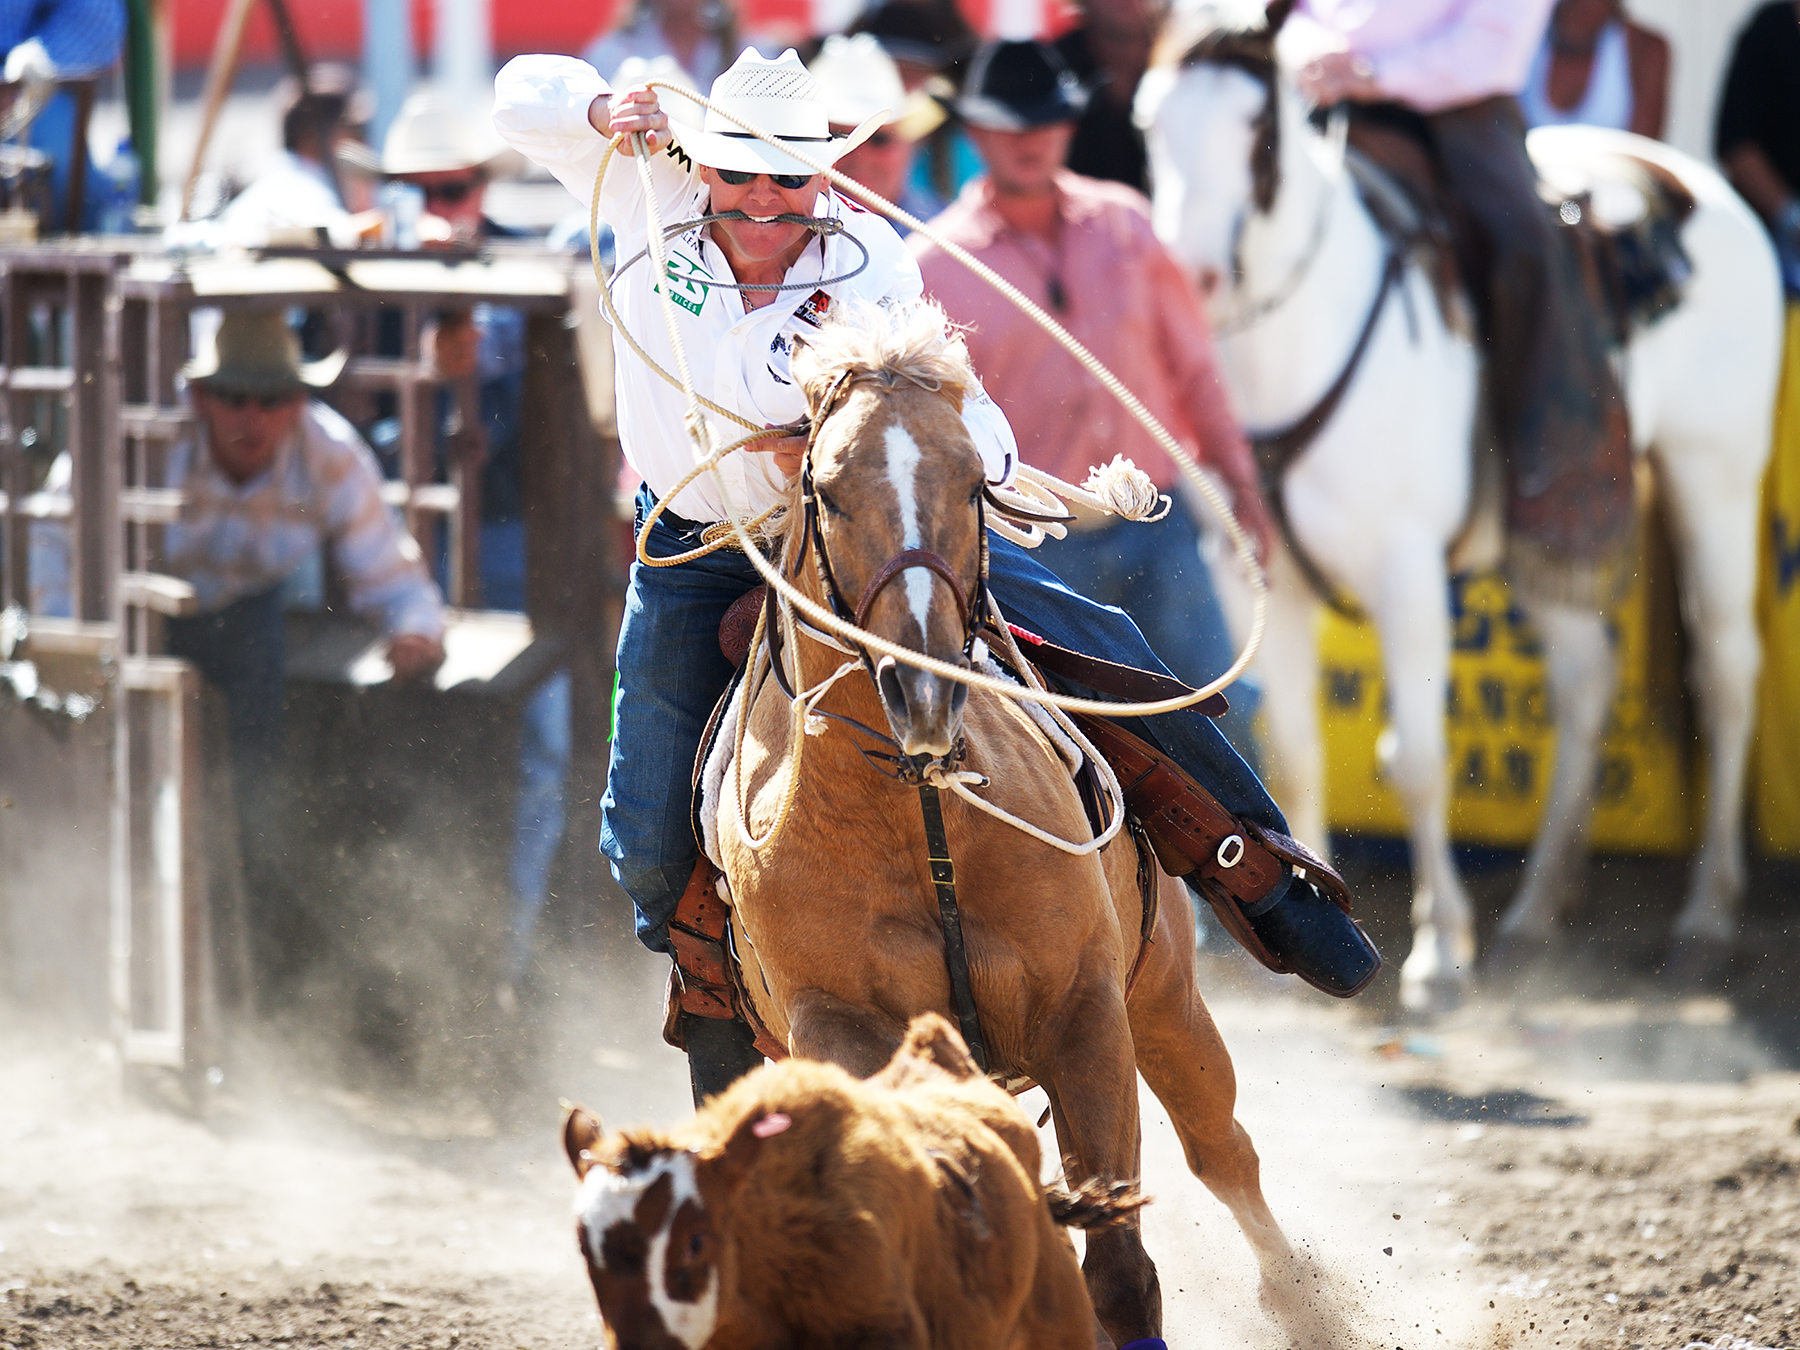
x: 788, y: 181
x: 267, y: 402
x: 450, y: 194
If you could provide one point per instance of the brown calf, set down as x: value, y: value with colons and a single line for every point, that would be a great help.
x: 805, y: 1208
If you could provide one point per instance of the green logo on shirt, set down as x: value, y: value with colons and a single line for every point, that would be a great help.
x: 688, y: 282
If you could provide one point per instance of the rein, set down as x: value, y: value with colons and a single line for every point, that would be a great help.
x: 1277, y: 450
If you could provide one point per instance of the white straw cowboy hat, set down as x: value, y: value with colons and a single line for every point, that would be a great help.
x: 781, y: 98
x: 860, y: 81
x: 255, y: 352
x: 431, y: 134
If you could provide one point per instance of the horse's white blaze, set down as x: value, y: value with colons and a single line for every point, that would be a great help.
x: 903, y: 460
x: 606, y: 1199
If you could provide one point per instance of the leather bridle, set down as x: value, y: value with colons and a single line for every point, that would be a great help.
x: 972, y: 608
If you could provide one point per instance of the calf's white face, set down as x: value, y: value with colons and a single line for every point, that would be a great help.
x: 651, y: 1252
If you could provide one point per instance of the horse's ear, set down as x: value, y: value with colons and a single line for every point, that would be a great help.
x: 581, y: 1131
x: 1277, y: 14
x: 804, y: 367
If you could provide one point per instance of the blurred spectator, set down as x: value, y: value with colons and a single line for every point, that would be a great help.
x: 858, y: 80
x: 272, y: 477
x: 930, y: 42
x: 1758, y: 135
x: 1598, y: 68
x: 1448, y: 72
x: 448, y: 157
x: 301, y: 191
x: 701, y: 36
x: 1109, y: 52
x: 46, y: 41
x: 1085, y: 251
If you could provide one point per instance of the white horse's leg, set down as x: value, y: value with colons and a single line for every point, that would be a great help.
x: 1288, y: 663
x: 1712, y: 503
x: 1413, y: 617
x: 1582, y: 670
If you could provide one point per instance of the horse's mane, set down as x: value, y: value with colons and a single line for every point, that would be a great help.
x: 914, y: 342
x: 1226, y: 32
x: 1240, y: 34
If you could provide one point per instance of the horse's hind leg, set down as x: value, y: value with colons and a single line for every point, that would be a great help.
x: 1092, y: 1084
x: 1712, y: 503
x: 1582, y: 669
x: 1185, y: 1062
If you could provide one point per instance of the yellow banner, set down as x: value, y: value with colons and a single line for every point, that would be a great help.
x: 1775, y: 790
x: 1501, y: 741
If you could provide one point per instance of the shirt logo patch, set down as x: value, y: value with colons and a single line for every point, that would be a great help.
x: 689, y: 282
x: 812, y: 309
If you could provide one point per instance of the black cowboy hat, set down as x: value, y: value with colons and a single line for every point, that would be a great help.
x: 1016, y: 86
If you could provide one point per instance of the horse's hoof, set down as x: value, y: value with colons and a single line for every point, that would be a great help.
x: 1697, y: 963
x: 1510, y: 955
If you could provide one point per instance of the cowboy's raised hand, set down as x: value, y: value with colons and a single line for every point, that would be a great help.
x: 628, y: 112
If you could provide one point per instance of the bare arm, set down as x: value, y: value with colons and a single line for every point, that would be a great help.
x: 1755, y: 177
x: 1649, y: 54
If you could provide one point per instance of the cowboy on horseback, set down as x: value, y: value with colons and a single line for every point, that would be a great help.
x: 780, y: 250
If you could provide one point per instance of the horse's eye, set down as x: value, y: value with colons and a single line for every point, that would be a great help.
x: 696, y: 1244
x: 975, y: 496
x: 830, y: 506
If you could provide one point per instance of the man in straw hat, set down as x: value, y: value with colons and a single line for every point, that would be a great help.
x: 559, y: 111
x: 270, y: 478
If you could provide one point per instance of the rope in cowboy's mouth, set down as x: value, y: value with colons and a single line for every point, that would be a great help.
x: 710, y: 457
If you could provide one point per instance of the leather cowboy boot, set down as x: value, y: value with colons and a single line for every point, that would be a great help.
x: 1285, y: 904
x: 719, y: 1053
x: 1311, y: 937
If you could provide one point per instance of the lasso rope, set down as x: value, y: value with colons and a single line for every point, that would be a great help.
x: 701, y: 431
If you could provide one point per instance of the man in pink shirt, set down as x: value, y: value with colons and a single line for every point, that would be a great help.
x: 1084, y: 250
x: 1447, y: 72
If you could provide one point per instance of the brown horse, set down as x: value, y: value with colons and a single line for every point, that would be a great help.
x: 836, y: 918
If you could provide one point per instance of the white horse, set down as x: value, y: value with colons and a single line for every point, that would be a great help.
x: 1380, y: 494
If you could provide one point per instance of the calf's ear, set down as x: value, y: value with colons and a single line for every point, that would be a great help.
x: 581, y: 1131
x: 731, y: 1162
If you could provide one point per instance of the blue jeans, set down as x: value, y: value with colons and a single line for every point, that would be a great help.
x: 242, y: 649
x: 671, y: 673
x: 1156, y: 575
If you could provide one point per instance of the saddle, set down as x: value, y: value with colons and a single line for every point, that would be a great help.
x: 1622, y: 212
x: 1235, y: 863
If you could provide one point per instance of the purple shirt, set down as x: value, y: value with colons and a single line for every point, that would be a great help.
x: 1432, y: 54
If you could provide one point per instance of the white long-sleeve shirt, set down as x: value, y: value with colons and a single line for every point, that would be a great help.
x: 739, y: 359
x: 1431, y: 54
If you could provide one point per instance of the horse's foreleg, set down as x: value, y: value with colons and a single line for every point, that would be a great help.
x: 1412, y: 613
x: 1581, y: 668
x: 1185, y: 1062
x: 1091, y: 1079
x: 1712, y: 506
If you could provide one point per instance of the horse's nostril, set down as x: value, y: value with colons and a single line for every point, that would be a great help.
x: 893, y: 693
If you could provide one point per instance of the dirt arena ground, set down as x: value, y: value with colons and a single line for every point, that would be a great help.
x: 1555, y: 1171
